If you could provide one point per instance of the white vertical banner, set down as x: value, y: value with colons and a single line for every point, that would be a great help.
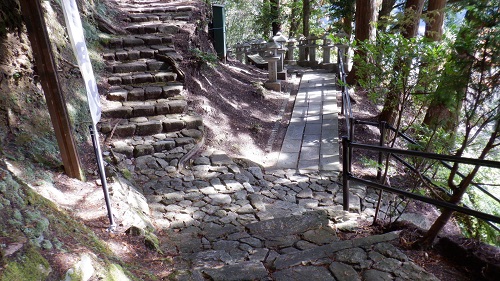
x: 75, y: 32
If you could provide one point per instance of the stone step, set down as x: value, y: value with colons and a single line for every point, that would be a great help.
x: 148, y: 126
x: 143, y: 52
x: 286, y: 226
x: 163, y: 146
x: 154, y: 8
x: 146, y: 92
x: 146, y: 40
x: 170, y: 27
x: 161, y: 16
x: 132, y: 109
x: 140, y: 65
x: 142, y: 77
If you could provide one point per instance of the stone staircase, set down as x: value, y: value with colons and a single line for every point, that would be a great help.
x: 145, y: 112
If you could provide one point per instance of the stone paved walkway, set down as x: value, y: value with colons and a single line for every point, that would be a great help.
x: 222, y: 219
x: 311, y: 140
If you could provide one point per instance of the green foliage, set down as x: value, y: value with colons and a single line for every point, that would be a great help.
x: 404, y: 69
x: 240, y: 19
x: 431, y: 140
x: 267, y: 15
x: 203, y: 57
x: 340, y: 9
x: 371, y: 163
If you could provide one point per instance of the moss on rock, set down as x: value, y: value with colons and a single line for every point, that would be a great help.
x: 28, y: 265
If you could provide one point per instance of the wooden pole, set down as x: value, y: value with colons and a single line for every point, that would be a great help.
x: 47, y: 70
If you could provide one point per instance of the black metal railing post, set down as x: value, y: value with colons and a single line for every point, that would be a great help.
x: 351, y: 138
x: 345, y: 172
x: 381, y: 143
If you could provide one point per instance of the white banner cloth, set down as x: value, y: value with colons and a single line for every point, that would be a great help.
x: 75, y: 32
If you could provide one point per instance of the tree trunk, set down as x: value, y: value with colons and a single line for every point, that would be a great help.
x: 443, y: 112
x: 434, y: 26
x: 294, y: 21
x: 413, y: 12
x: 349, y: 17
x: 364, y: 30
x: 275, y: 10
x: 306, y: 16
x: 458, y: 193
x: 386, y: 8
x: 438, y: 113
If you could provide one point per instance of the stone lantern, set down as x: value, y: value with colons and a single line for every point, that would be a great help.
x: 262, y: 47
x: 272, y: 68
x: 302, y: 51
x: 291, y: 46
x: 255, y: 46
x: 281, y: 40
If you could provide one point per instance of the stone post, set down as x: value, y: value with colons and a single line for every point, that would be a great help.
x: 302, y: 51
x: 343, y: 49
x: 282, y: 72
x: 246, y: 50
x: 262, y: 47
x: 291, y: 47
x: 312, y: 51
x: 254, y: 49
x: 239, y: 52
x: 272, y: 67
x: 326, y: 49
x: 281, y: 40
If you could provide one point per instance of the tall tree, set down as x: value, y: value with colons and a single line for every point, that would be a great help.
x: 295, y: 16
x: 413, y: 13
x: 343, y: 11
x: 276, y: 14
x: 306, y: 17
x: 365, y: 14
x: 473, y: 87
x: 435, y: 19
x: 433, y: 32
x: 409, y: 25
x: 385, y: 11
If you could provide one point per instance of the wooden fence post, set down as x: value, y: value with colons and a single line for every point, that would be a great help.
x: 47, y: 70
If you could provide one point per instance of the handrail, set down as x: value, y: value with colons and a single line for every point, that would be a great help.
x: 410, y: 140
x: 463, y: 160
x: 384, y: 125
x: 346, y: 175
x: 346, y: 109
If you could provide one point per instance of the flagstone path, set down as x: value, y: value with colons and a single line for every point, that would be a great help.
x: 223, y: 219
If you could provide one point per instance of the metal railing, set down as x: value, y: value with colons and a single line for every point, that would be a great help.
x: 347, y: 146
x: 347, y: 149
x: 346, y: 99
